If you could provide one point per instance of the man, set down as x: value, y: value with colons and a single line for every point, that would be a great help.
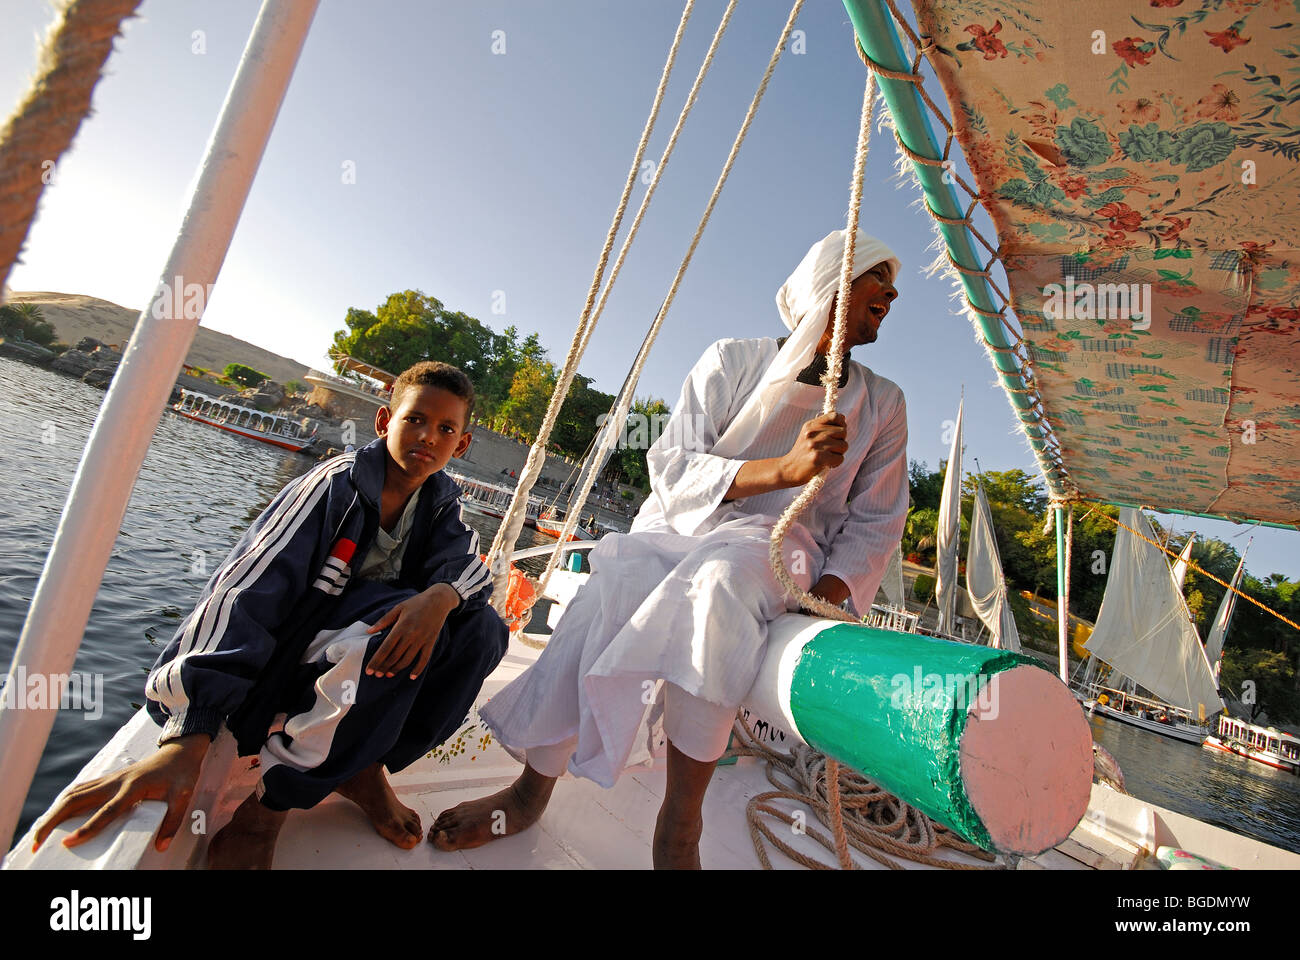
x: 664, y: 641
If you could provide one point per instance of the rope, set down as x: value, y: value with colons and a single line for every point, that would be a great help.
x: 513, y: 522
x: 871, y: 820
x: 43, y: 126
x: 831, y: 379
x: 1205, y: 573
x: 624, y: 402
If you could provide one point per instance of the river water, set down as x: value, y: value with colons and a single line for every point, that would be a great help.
x: 199, y: 489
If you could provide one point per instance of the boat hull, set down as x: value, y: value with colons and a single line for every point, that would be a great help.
x: 282, y: 442
x: 1241, y: 750
x: 1174, y: 732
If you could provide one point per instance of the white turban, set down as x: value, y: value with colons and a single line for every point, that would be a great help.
x: 804, y: 302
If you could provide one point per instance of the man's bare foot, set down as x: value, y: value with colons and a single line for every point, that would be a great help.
x: 394, y: 821
x: 475, y: 822
x: 247, y: 842
x: 676, y: 843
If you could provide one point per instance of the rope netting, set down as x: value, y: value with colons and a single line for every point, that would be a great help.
x: 1035, y: 418
x: 44, y: 124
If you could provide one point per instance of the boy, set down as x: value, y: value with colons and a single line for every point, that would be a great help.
x: 656, y: 651
x: 348, y: 631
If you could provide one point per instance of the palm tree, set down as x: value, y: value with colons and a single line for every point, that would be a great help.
x: 26, y: 322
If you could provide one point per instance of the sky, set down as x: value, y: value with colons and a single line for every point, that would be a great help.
x: 489, y: 180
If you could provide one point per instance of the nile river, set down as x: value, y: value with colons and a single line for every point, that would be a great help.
x: 200, y: 487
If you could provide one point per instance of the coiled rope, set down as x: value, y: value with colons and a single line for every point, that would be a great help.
x: 45, y: 123
x: 870, y: 819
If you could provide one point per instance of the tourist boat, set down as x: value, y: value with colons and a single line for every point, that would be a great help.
x: 821, y: 682
x: 244, y: 421
x: 1266, y: 745
x: 492, y: 499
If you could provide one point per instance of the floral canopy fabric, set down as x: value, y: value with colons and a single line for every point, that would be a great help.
x: 1153, y: 144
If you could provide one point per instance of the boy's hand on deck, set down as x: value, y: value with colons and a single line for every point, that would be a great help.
x: 822, y: 444
x: 168, y: 775
x: 415, y: 624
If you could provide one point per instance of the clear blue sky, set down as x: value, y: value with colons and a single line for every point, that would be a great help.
x: 478, y: 172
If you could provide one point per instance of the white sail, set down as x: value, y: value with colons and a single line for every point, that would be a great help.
x: 1144, y: 631
x: 892, y: 584
x: 1180, y: 565
x: 1219, y: 630
x: 948, y: 535
x: 984, y: 581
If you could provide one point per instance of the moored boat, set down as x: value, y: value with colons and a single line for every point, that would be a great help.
x: 1266, y: 745
x: 248, y: 422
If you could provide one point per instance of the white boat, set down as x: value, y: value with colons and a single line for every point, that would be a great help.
x: 243, y: 421
x: 1266, y: 745
x: 1145, y: 634
x: 583, y: 826
x: 492, y: 499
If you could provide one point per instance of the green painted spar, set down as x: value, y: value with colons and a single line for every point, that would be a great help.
x: 879, y: 38
x: 898, y: 716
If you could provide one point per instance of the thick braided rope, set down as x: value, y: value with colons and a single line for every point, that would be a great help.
x: 875, y: 822
x: 513, y: 522
x: 832, y: 378
x: 46, y: 121
x: 624, y: 402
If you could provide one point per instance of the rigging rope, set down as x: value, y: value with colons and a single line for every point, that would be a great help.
x: 45, y: 123
x: 513, y: 522
x: 624, y: 402
x: 831, y: 379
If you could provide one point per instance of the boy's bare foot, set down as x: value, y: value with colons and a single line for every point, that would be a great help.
x: 503, y: 814
x: 394, y: 821
x: 676, y: 844
x: 247, y: 842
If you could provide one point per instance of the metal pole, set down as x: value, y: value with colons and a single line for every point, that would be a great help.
x: 1062, y: 597
x: 144, y: 380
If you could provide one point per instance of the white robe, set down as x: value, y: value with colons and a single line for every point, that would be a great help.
x: 686, y: 597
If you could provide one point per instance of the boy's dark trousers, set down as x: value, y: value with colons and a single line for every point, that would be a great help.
x: 338, y: 721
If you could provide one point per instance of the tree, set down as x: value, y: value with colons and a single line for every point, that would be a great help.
x: 530, y: 393
x: 576, y: 426
x: 244, y: 375
x: 25, y: 321
x: 411, y: 326
x: 631, y: 457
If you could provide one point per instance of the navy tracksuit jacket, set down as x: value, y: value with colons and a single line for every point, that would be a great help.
x: 277, y: 643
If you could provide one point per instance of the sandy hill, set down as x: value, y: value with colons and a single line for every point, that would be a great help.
x: 74, y: 316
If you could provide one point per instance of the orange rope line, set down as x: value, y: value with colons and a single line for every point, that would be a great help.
x: 1205, y: 573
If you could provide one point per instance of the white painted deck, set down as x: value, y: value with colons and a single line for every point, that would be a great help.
x: 584, y: 827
